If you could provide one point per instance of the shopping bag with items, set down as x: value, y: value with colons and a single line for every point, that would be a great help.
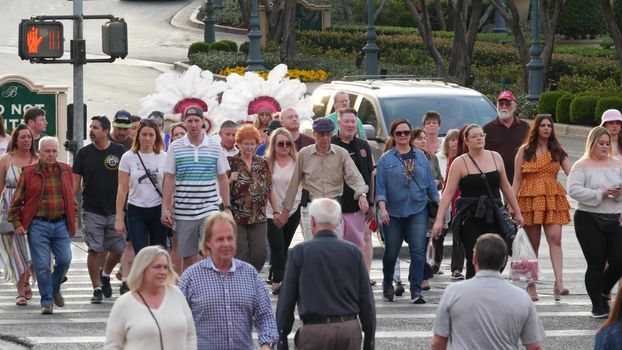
x: 524, y: 262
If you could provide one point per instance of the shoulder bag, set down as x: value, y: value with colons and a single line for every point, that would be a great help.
x: 507, y: 225
x: 432, y: 205
x: 154, y: 318
x: 606, y: 222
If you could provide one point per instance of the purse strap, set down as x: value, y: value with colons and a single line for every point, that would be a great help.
x: 492, y: 198
x: 148, y: 174
x: 154, y: 318
x: 413, y: 174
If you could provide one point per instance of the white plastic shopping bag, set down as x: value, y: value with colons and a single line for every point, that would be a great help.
x: 524, y: 265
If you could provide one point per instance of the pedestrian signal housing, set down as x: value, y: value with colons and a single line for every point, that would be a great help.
x: 40, y: 39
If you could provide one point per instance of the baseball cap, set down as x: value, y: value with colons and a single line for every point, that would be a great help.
x: 323, y: 125
x: 275, y: 124
x: 103, y: 120
x: 122, y: 119
x: 506, y: 95
x: 192, y: 110
x: 610, y: 115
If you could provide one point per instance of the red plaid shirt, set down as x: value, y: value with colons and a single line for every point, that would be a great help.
x: 52, y: 203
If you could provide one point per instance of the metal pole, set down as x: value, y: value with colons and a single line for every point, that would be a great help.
x: 535, y: 66
x: 371, y: 49
x: 209, y: 35
x: 78, y: 80
x: 255, y: 61
x: 499, y: 23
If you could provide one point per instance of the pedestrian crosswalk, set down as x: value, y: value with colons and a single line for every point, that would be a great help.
x: 401, y: 324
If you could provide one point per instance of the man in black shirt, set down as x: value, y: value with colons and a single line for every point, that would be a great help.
x: 360, y: 152
x: 96, y: 173
x: 328, y: 280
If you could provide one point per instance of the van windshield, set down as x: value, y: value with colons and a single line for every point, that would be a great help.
x: 455, y: 111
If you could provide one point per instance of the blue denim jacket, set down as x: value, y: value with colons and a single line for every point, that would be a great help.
x: 609, y: 338
x: 400, y: 193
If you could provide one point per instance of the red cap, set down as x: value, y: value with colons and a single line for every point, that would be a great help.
x: 506, y: 95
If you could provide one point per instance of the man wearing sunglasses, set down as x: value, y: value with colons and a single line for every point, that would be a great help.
x: 322, y: 169
x: 121, y: 128
x: 506, y: 133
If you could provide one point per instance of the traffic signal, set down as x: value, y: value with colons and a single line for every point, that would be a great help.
x: 40, y: 39
x: 114, y: 38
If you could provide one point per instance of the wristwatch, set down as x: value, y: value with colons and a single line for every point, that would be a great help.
x: 227, y: 207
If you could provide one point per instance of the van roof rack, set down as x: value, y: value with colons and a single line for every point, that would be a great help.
x: 387, y: 77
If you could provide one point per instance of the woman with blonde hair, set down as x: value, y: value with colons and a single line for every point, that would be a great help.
x: 281, y: 157
x: 155, y: 314
x: 595, y: 182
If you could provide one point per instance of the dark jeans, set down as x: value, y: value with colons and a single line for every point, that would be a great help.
x: 411, y: 229
x: 469, y: 233
x: 457, y: 256
x: 279, y: 240
x: 598, y: 248
x: 144, y: 227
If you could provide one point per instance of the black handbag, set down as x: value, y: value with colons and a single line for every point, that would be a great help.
x: 607, y: 222
x: 507, y: 225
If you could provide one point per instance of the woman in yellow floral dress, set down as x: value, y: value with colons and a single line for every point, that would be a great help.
x: 542, y: 199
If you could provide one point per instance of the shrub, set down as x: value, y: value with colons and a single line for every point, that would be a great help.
x: 224, y: 46
x: 547, y: 103
x: 582, y: 109
x: 562, y: 110
x: 581, y: 19
x: 198, y: 47
x: 581, y: 83
x: 606, y: 103
x: 244, y: 47
x: 233, y: 46
x: 230, y: 15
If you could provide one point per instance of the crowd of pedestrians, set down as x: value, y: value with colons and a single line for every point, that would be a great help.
x: 191, y: 218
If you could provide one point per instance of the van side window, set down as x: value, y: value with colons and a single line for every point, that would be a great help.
x: 367, y: 114
x: 319, y: 107
x: 352, y: 98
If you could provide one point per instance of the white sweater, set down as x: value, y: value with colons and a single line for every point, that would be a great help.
x: 586, y: 186
x: 130, y: 326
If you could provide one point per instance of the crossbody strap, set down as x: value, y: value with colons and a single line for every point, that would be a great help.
x: 492, y: 198
x: 149, y: 175
x: 413, y: 174
x: 154, y: 318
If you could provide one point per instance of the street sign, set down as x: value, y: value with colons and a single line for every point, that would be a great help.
x: 18, y: 94
x: 40, y: 39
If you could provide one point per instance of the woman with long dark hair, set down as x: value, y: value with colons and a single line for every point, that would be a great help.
x: 541, y: 198
x: 14, y: 253
x: 475, y: 208
x: 404, y: 182
x: 595, y: 182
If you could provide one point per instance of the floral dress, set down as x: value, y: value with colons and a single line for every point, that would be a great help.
x: 14, y: 255
x: 541, y: 198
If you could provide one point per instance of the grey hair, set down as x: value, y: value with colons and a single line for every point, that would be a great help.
x: 143, y: 259
x: 340, y: 92
x: 45, y: 139
x: 325, y: 211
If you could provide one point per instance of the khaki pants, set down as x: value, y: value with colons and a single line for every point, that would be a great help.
x: 328, y: 336
x: 251, y: 242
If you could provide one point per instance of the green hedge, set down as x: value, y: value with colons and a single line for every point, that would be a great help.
x: 582, y: 109
x: 605, y: 103
x: 198, y: 47
x: 547, y: 103
x: 562, y: 109
x: 224, y: 45
x: 581, y: 19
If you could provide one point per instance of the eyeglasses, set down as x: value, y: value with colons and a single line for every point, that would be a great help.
x: 284, y: 144
x: 402, y: 133
x: 480, y: 135
x: 504, y: 102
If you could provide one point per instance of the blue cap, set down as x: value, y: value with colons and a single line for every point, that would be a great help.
x: 122, y: 119
x: 323, y: 125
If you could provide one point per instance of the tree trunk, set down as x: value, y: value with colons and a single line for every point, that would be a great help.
x: 245, y: 9
x: 450, y: 15
x: 288, y: 40
x: 347, y: 9
x: 423, y: 24
x: 439, y: 14
x: 510, y: 14
x: 614, y: 31
x: 549, y: 26
x: 486, y: 14
x: 274, y: 15
x: 464, y: 39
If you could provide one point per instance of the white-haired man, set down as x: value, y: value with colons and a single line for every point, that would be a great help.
x: 336, y: 273
x: 43, y: 206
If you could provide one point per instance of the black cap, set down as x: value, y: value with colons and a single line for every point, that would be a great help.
x: 192, y: 110
x: 122, y: 119
x: 275, y: 124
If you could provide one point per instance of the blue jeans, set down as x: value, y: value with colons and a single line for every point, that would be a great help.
x: 44, y: 239
x: 144, y: 227
x: 411, y: 229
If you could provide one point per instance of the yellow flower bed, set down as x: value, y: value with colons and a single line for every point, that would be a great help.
x: 302, y: 75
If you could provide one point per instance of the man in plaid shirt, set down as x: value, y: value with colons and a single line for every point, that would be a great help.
x: 43, y: 205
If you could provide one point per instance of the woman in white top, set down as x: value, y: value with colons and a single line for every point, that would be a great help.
x: 595, y: 181
x: 141, y: 173
x: 281, y: 156
x: 612, y: 121
x: 155, y: 315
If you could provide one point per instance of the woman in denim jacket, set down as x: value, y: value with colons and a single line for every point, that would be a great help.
x: 609, y: 337
x: 404, y: 182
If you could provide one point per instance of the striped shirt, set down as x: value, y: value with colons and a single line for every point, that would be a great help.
x: 195, y: 169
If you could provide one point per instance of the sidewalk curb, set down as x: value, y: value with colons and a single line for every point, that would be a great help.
x: 219, y: 28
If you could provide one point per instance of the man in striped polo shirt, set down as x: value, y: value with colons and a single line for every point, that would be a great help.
x: 195, y: 172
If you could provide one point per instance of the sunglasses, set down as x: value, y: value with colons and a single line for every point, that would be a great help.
x: 149, y: 122
x: 504, y: 103
x: 284, y: 144
x: 402, y: 133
